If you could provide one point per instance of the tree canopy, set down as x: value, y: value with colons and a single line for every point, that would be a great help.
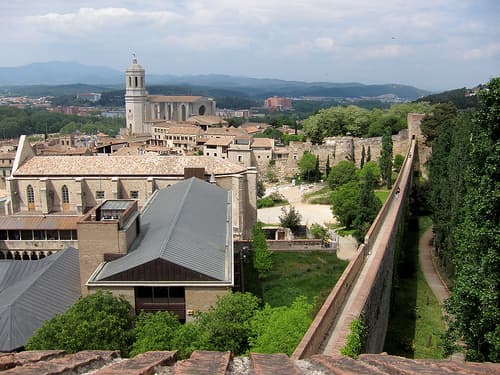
x: 307, y: 166
x: 464, y: 185
x: 98, y: 321
x: 342, y: 173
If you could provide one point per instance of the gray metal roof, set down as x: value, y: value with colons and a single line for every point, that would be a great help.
x: 188, y: 224
x: 32, y: 292
x: 116, y: 204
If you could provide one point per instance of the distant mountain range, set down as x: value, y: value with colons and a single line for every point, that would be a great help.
x: 66, y: 73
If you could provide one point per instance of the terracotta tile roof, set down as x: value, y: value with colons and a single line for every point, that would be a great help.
x: 39, y: 222
x: 263, y: 143
x: 258, y: 125
x: 219, y: 363
x: 225, y: 131
x: 7, y: 155
x: 218, y: 142
x: 207, y: 120
x: 191, y: 130
x: 174, y: 99
x: 134, y: 165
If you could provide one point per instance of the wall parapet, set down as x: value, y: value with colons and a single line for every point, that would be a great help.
x: 330, y: 312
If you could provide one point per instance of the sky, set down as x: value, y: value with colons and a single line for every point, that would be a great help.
x: 430, y: 44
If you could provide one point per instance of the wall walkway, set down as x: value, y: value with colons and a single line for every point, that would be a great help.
x: 364, y: 288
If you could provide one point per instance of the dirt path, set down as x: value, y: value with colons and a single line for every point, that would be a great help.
x: 431, y: 275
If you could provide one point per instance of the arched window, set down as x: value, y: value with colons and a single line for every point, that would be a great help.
x: 65, y: 194
x: 201, y: 110
x: 31, y: 194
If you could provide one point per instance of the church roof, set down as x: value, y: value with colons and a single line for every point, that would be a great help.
x: 174, y: 99
x: 129, y: 165
x: 33, y: 291
x: 189, y: 225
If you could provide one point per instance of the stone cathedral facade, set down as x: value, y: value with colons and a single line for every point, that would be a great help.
x: 143, y: 110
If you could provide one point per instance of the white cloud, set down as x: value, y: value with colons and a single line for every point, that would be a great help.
x: 490, y: 50
x: 258, y: 37
x: 93, y: 20
x: 325, y: 44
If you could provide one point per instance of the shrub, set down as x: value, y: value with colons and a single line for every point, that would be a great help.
x: 280, y: 329
x: 98, y: 321
x: 154, y: 331
x: 355, y: 340
x: 262, y: 257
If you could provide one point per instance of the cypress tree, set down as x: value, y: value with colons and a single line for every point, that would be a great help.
x: 327, y: 167
x: 362, y: 162
x: 385, y: 161
x: 317, y: 173
x: 369, y: 155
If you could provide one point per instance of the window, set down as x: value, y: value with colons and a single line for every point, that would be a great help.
x: 65, y: 235
x: 65, y: 194
x: 14, y: 235
x: 27, y: 235
x: 134, y: 194
x: 39, y: 235
x: 99, y: 194
x: 239, y: 158
x: 31, y: 194
x: 52, y: 235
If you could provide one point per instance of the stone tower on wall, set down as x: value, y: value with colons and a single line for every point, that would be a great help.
x: 415, y: 131
x: 135, y: 98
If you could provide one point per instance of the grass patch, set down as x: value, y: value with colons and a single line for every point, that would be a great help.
x: 382, y: 195
x: 321, y: 196
x: 311, y: 274
x: 416, y: 323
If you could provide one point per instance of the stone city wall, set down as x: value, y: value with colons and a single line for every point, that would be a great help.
x: 334, y: 148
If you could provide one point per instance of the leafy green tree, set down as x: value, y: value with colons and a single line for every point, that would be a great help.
x: 441, y: 113
x: 280, y: 329
x: 374, y: 172
x: 345, y: 203
x: 341, y: 174
x: 154, y: 331
x: 368, y: 204
x: 385, y: 161
x: 398, y: 162
x: 307, y: 165
x: 290, y: 218
x: 262, y: 257
x: 98, y: 321
x: 227, y: 324
x: 465, y: 206
x: 190, y: 337
x: 318, y: 231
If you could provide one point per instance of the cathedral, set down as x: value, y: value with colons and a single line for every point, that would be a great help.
x: 143, y: 110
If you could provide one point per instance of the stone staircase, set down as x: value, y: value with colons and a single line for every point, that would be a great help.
x: 56, y: 362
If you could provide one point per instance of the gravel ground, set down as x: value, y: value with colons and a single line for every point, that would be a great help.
x: 311, y: 213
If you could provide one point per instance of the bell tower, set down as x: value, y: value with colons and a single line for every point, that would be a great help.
x: 135, y: 98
